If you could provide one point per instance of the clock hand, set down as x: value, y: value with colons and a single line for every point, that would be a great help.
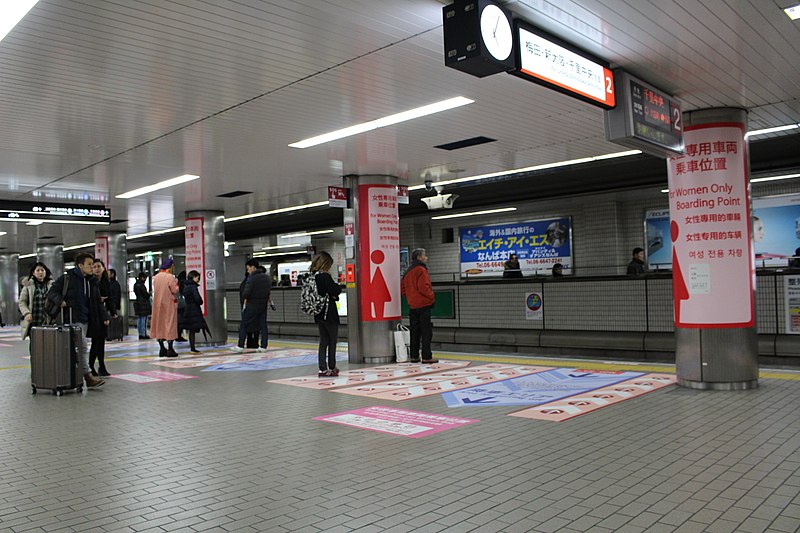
x: 496, y: 24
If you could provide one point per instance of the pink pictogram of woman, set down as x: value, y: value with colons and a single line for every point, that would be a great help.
x: 379, y: 293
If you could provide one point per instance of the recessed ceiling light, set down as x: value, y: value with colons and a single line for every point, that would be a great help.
x: 411, y: 114
x: 793, y: 12
x: 157, y: 186
x: 11, y: 13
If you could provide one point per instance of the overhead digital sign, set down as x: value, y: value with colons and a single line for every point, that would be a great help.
x: 547, y: 60
x: 13, y: 211
x: 646, y: 118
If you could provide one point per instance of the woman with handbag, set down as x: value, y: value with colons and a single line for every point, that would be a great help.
x: 142, y: 306
x: 98, y: 350
x: 193, y: 320
x: 32, y: 297
x: 328, y: 320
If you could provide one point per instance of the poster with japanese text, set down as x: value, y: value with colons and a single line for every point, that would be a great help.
x: 539, y: 244
x: 195, y: 254
x: 101, y: 250
x: 791, y: 292
x: 659, y: 246
x: 776, y: 229
x: 379, y: 239
x: 712, y: 258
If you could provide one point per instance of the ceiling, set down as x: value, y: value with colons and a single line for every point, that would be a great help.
x: 101, y: 97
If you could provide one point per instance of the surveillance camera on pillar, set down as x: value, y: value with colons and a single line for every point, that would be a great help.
x: 440, y: 201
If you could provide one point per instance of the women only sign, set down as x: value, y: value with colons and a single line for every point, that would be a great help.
x: 712, y: 260
x: 379, y: 228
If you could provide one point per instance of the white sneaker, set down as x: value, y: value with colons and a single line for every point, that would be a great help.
x: 261, y: 350
x: 237, y: 349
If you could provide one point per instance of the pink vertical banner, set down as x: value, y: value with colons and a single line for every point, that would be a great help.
x: 379, y: 238
x: 101, y: 250
x: 712, y: 257
x: 196, y: 254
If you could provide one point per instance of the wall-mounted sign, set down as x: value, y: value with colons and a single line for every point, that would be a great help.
x: 549, y: 61
x: 402, y: 194
x: 101, y: 250
x: 379, y: 246
x: 659, y: 245
x: 792, y: 304
x: 337, y: 197
x: 196, y: 253
x: 539, y: 244
x: 533, y: 306
x: 54, y: 213
x: 646, y: 118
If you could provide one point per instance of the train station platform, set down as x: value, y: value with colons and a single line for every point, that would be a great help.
x: 480, y: 442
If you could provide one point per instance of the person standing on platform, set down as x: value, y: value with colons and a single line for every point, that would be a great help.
x: 511, y: 268
x: 81, y: 306
x: 416, y: 287
x: 97, y: 352
x: 255, y: 298
x: 142, y: 306
x: 636, y: 266
x: 165, y: 308
x: 193, y: 320
x: 252, y: 335
x: 181, y: 305
x: 328, y: 320
x: 32, y: 297
x: 115, y: 294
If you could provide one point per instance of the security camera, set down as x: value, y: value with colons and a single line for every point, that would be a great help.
x: 429, y: 185
x: 440, y: 201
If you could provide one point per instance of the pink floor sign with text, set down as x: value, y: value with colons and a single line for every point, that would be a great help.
x: 393, y: 421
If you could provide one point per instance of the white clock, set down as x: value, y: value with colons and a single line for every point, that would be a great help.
x: 496, y: 32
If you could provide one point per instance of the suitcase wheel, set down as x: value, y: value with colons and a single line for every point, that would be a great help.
x: 59, y: 392
x: 34, y: 389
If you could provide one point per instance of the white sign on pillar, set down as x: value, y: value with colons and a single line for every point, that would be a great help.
x: 196, y: 254
x: 379, y: 237
x: 712, y: 259
x: 101, y: 250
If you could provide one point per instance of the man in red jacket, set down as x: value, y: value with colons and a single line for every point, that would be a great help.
x: 416, y: 287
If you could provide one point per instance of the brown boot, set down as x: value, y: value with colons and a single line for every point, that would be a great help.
x: 92, y: 382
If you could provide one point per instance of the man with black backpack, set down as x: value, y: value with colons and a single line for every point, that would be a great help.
x: 81, y: 305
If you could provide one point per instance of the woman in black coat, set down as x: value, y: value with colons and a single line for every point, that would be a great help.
x: 328, y: 320
x: 193, y: 320
x: 98, y: 335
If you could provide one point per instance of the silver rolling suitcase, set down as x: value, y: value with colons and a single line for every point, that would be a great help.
x: 55, y: 358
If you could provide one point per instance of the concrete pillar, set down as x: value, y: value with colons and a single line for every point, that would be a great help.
x: 373, y: 301
x: 9, y: 288
x: 52, y: 255
x: 205, y: 252
x: 716, y: 344
x: 112, y: 248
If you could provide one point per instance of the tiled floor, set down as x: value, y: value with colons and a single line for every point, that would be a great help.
x: 231, y: 452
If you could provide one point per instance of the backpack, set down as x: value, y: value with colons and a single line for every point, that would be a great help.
x: 53, y: 299
x: 311, y: 301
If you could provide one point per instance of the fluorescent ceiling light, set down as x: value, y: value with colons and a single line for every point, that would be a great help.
x: 27, y: 256
x: 158, y: 232
x: 78, y: 246
x: 531, y: 169
x: 33, y: 222
x: 279, y: 254
x: 229, y: 243
x: 775, y: 178
x: 306, y: 234
x: 3, y: 233
x: 11, y: 12
x: 276, y: 211
x: 157, y: 186
x: 411, y: 114
x: 771, y: 130
x: 282, y: 246
x: 793, y: 12
x: 664, y: 190
x: 475, y: 213
x: 148, y: 253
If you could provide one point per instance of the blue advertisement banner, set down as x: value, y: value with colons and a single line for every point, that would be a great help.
x: 535, y: 389
x: 659, y: 244
x: 776, y: 229
x: 539, y: 244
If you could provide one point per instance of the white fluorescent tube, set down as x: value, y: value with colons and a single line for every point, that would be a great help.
x: 157, y: 186
x: 27, y: 256
x: 158, y: 232
x: 281, y: 246
x: 775, y: 178
x: 771, y: 130
x: 531, y: 169
x: 276, y: 211
x: 305, y: 234
x: 411, y: 114
x: 11, y: 12
x: 279, y: 254
x: 78, y: 246
x: 474, y: 213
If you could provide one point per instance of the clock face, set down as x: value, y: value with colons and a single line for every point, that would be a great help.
x: 496, y: 32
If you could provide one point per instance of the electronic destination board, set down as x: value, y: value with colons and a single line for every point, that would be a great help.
x: 13, y: 211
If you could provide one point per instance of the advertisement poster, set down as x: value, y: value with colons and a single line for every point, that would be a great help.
x: 791, y: 293
x: 776, y: 229
x: 712, y: 265
x: 659, y: 246
x: 539, y: 244
x: 379, y: 236
x: 101, y: 250
x: 533, y: 306
x: 195, y: 254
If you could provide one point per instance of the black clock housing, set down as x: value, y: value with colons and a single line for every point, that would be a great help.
x: 464, y: 48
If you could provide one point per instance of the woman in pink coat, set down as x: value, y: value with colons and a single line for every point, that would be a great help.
x: 164, y: 326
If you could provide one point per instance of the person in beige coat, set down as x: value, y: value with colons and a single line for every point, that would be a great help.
x: 33, y: 296
x: 164, y: 326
